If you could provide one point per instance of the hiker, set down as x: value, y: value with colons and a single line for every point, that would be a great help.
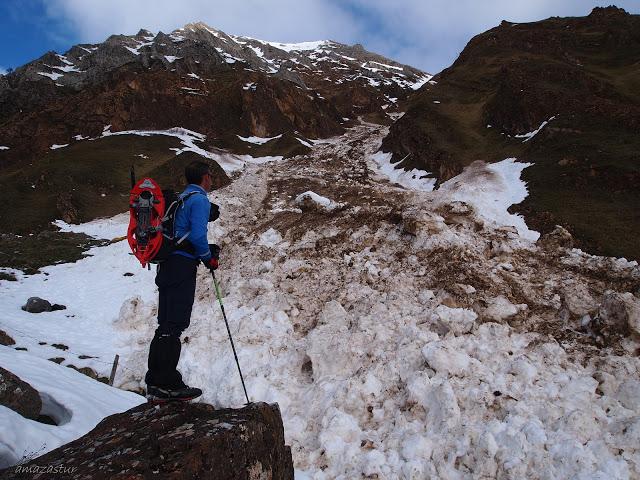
x: 176, y: 281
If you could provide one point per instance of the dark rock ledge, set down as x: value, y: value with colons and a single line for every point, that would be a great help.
x: 174, y: 441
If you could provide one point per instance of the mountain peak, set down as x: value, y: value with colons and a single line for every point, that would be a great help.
x: 610, y: 11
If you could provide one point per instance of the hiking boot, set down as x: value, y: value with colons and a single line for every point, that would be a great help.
x: 163, y: 394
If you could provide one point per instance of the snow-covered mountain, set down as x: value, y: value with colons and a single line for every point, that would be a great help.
x: 404, y: 332
x: 197, y: 78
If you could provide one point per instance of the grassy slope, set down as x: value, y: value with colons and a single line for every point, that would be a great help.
x: 586, y: 162
x: 94, y: 175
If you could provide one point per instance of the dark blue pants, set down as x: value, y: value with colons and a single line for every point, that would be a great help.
x: 176, y: 281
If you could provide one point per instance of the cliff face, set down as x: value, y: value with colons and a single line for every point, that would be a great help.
x: 178, y: 440
x: 562, y: 93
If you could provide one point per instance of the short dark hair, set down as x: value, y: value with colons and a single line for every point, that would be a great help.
x: 195, y: 171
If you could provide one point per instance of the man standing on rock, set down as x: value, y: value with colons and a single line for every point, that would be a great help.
x: 176, y: 281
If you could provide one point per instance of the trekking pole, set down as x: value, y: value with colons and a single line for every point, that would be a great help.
x: 224, y: 315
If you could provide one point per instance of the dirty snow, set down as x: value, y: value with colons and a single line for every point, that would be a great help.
x: 409, y: 334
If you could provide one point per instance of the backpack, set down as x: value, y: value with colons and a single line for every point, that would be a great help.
x: 151, y: 233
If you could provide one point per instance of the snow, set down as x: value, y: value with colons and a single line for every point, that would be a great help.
x: 492, y: 189
x: 530, y: 135
x: 291, y: 47
x: 421, y: 81
x: 229, y: 162
x: 321, y: 201
x: 52, y: 76
x: 135, y: 51
x: 393, y: 67
x: 412, y: 179
x: 171, y: 58
x: 376, y: 371
x: 258, y: 140
x: 55, y: 146
x: 304, y: 142
x: 193, y: 75
x: 74, y: 400
x: 2, y: 147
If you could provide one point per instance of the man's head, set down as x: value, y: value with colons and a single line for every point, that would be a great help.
x: 199, y: 173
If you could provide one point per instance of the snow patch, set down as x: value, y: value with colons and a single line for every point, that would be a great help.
x: 413, y: 179
x: 492, y: 189
x: 530, y: 135
x: 78, y: 402
x: 258, y: 140
x: 52, y: 76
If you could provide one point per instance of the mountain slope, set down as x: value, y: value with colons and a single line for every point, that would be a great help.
x: 562, y: 93
x: 235, y: 94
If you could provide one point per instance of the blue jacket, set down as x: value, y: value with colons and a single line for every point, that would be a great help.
x: 191, y: 220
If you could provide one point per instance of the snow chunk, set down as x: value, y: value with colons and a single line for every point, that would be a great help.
x: 501, y: 309
x: 55, y: 146
x: 304, y: 199
x: 2, y: 147
x: 459, y: 320
x: 270, y: 238
x: 171, y: 58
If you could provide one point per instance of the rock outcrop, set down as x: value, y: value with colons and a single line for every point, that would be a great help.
x: 19, y: 395
x: 177, y: 440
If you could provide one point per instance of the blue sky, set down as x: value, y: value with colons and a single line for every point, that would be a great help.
x: 428, y: 34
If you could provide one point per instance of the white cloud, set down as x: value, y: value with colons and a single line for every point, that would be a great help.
x: 3, y: 71
x: 427, y: 34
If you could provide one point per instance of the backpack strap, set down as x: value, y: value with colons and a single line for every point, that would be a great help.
x: 180, y: 202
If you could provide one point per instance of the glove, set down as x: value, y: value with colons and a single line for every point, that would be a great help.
x: 214, y: 212
x: 211, y: 264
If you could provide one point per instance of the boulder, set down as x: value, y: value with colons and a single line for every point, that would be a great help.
x: 37, y: 305
x: 178, y: 440
x: 19, y: 395
x: 5, y: 339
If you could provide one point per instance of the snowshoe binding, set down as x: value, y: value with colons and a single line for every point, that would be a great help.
x: 164, y: 395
